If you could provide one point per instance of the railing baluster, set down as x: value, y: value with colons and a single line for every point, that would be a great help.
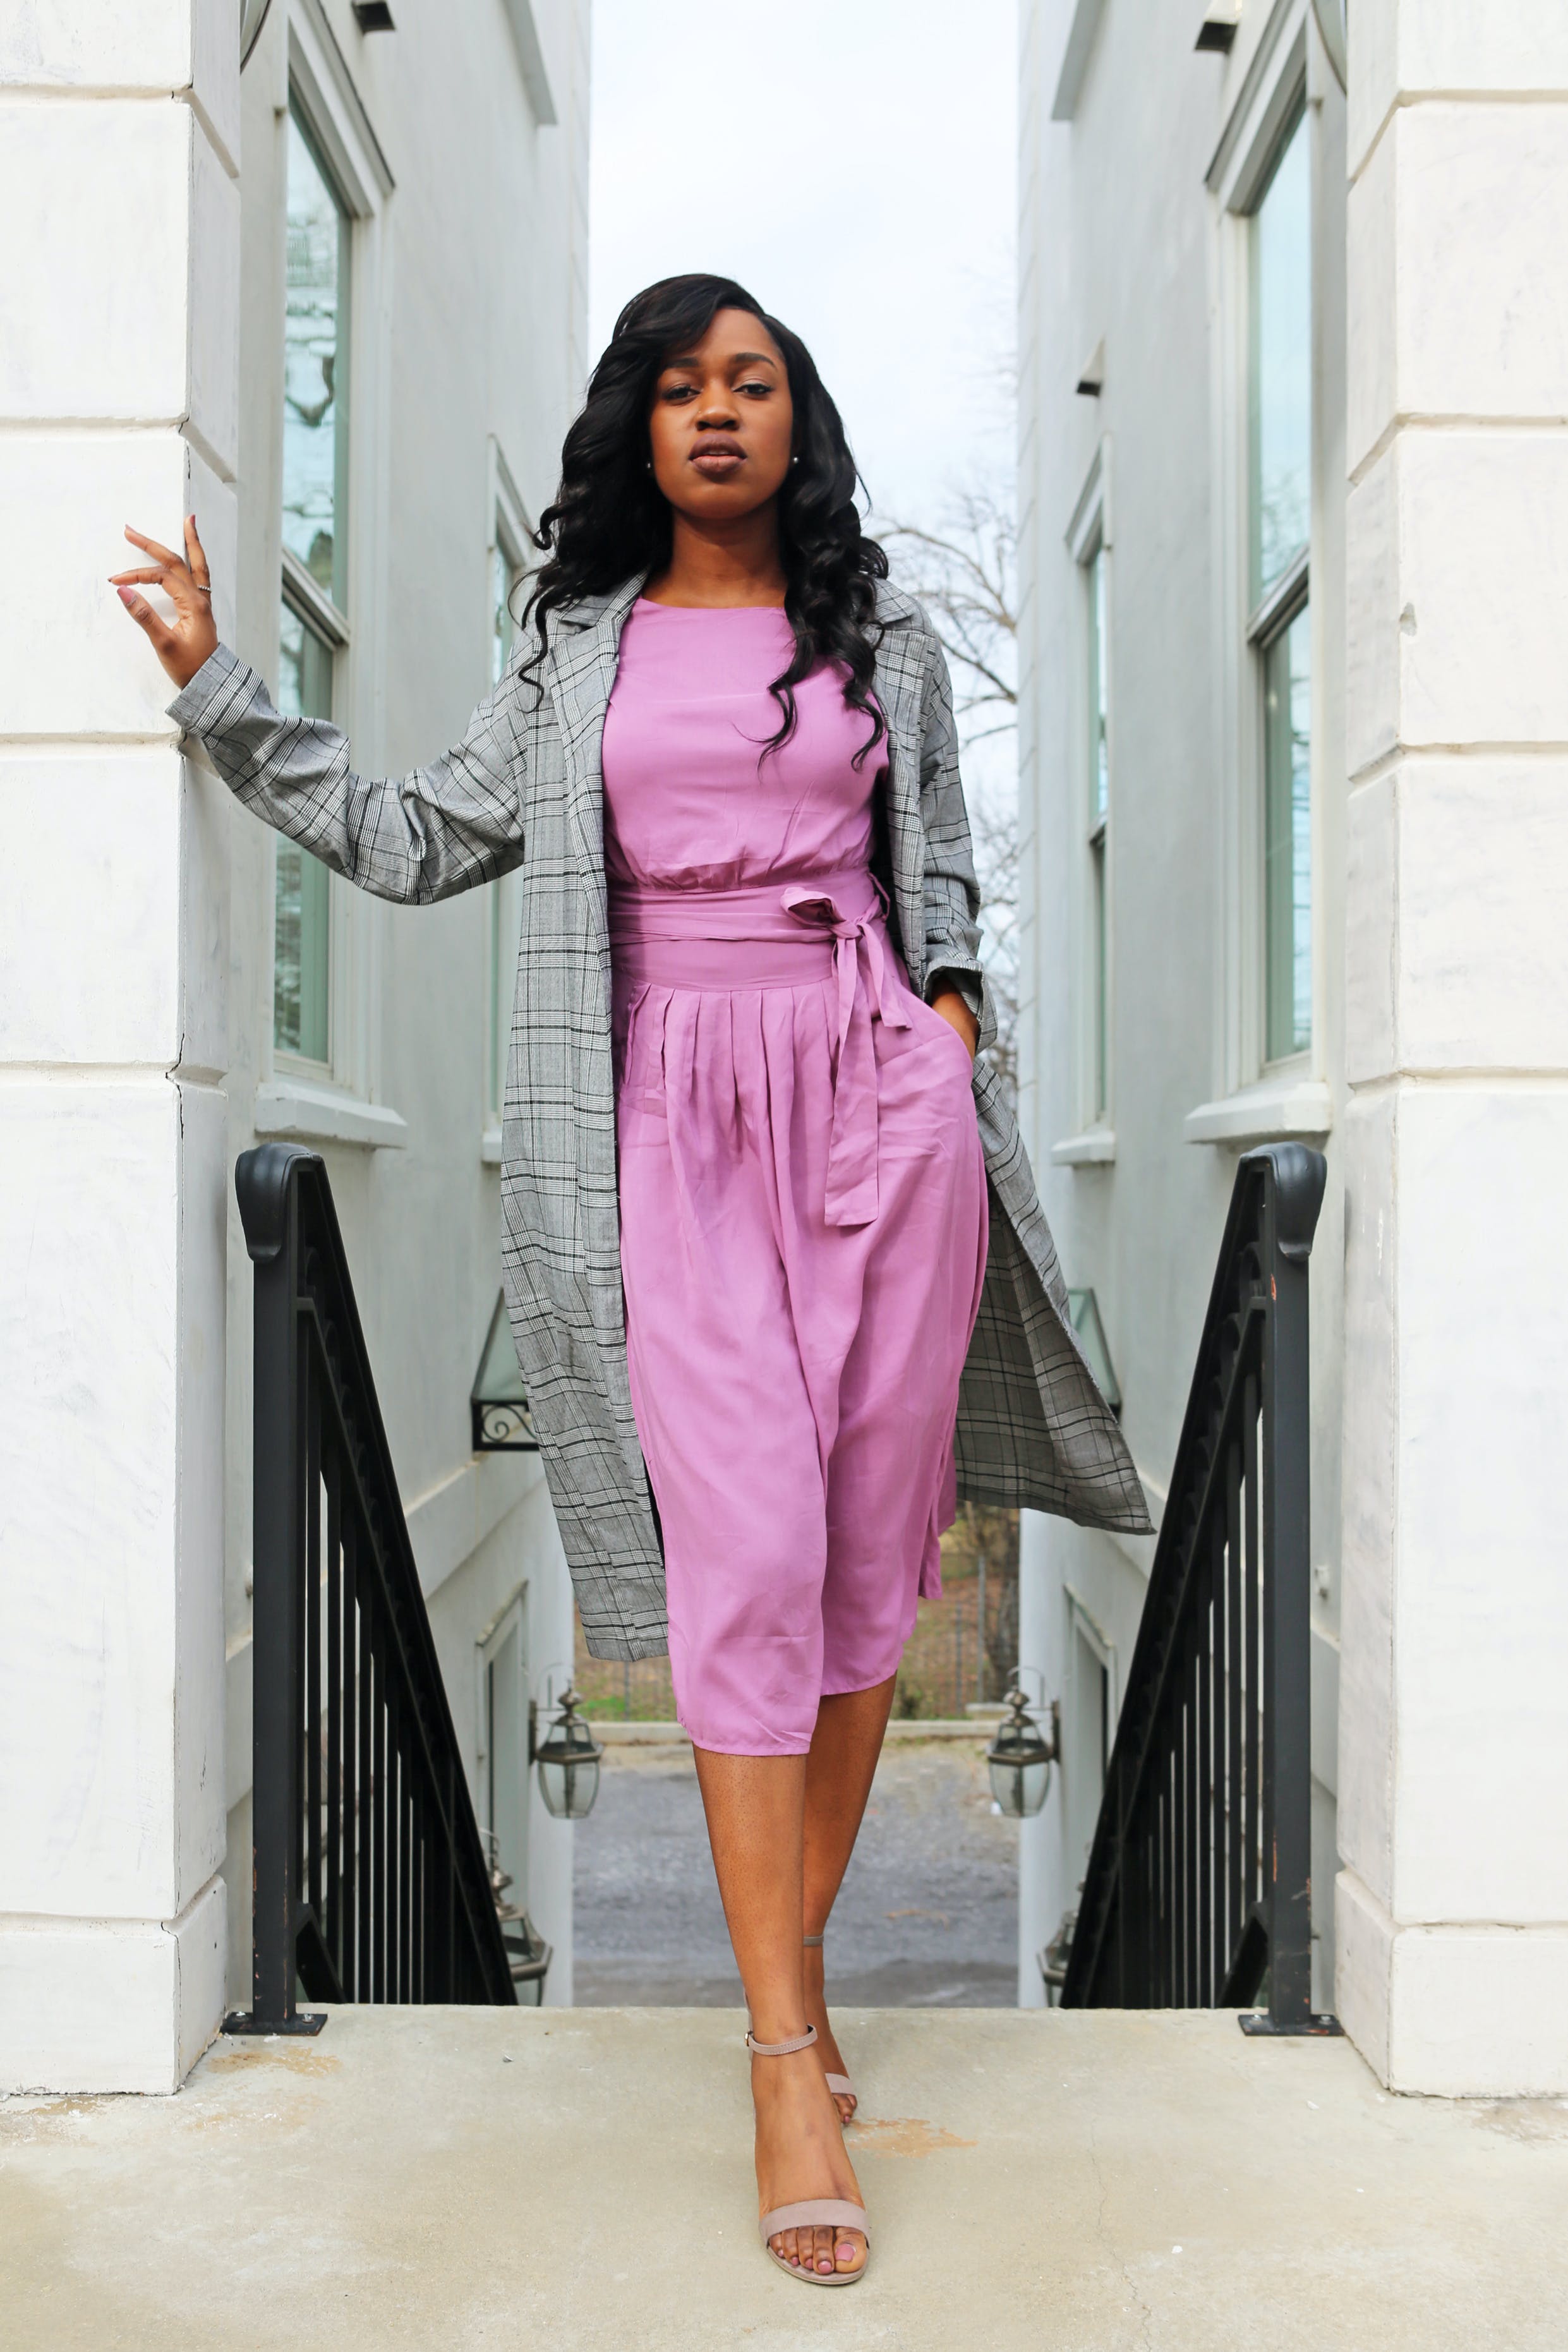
x: 1235, y: 1903
x: 1251, y: 1653
x: 310, y: 1609
x: 365, y: 1974
x: 1207, y: 1776
x: 1198, y: 1873
x: 348, y: 1944
x: 333, y: 1890
x: 369, y: 1873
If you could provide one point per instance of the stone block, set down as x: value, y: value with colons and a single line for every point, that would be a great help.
x: 104, y: 45
x: 1459, y: 2012
x: 1372, y: 617
x: 1404, y: 47
x: 73, y: 662
x: 111, y: 1213
x: 1368, y: 1521
x: 1482, y: 1602
x: 1459, y: 306
x: 1371, y: 931
x: 122, y: 303
x: 90, y: 922
x: 1456, y: 562
x: 95, y: 2005
x: 1456, y: 917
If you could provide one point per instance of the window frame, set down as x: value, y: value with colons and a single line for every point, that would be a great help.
x: 1275, y: 102
x: 297, y: 1096
x: 509, y: 1618
x: 1088, y: 541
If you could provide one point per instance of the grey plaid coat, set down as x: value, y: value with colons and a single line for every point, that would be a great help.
x: 523, y: 789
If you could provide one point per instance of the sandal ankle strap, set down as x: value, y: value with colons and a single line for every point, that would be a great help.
x: 811, y: 1943
x: 780, y: 2049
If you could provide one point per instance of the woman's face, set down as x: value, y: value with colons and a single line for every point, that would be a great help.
x: 722, y: 422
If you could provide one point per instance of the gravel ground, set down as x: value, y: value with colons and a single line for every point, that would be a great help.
x: 927, y: 1915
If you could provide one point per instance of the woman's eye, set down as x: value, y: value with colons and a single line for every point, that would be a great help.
x: 764, y: 388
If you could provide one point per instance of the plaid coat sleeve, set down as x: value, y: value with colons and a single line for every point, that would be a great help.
x: 950, y: 891
x: 425, y: 836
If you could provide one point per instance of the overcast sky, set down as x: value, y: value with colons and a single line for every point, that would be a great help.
x: 850, y: 162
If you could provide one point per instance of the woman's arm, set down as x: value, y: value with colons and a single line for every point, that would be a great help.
x: 425, y: 835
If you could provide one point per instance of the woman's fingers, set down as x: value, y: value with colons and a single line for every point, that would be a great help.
x: 150, y: 547
x: 184, y: 646
x: 193, y: 554
x: 142, y: 613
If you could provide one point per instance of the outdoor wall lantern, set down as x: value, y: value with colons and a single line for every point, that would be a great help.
x: 1020, y: 1757
x: 528, y: 1954
x: 1084, y: 1309
x: 568, y: 1762
x: 503, y: 1423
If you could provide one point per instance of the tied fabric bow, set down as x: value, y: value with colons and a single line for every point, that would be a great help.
x: 850, y: 1197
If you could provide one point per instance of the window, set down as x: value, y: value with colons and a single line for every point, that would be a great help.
x: 1095, y: 572
x: 1279, y: 424
x: 318, y: 238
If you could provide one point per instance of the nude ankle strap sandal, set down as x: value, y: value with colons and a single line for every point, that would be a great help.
x: 840, y: 2084
x: 814, y: 2212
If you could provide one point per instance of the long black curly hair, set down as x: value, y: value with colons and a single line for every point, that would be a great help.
x: 610, y: 523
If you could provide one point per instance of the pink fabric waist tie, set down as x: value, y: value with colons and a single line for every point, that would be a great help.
x: 765, y: 935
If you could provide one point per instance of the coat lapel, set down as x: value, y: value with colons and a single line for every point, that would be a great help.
x: 580, y: 676
x: 900, y: 681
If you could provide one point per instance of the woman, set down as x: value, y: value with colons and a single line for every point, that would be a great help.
x: 749, y: 1156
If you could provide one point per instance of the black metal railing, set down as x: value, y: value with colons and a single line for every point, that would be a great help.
x: 1198, y: 1891
x: 370, y: 1880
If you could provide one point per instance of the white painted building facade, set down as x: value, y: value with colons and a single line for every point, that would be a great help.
x: 1294, y: 501
x: 336, y: 304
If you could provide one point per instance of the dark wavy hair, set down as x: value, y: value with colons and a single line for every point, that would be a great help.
x: 610, y: 522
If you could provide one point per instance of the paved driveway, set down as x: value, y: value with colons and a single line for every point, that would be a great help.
x: 928, y: 1916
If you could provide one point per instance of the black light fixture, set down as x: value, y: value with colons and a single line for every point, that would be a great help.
x: 1020, y: 1757
x: 568, y: 1762
x: 1084, y: 1309
x: 502, y: 1421
x: 373, y: 16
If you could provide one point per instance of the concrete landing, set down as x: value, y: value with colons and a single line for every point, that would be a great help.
x: 456, y: 2177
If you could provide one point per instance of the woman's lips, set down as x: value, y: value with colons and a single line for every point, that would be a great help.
x: 718, y: 459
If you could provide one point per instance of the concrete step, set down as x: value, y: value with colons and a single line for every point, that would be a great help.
x: 459, y: 2179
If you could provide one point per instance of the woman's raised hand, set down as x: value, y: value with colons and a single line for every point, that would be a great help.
x: 184, y: 643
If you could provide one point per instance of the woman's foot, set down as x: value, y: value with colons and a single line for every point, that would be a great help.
x: 800, y: 2155
x: 828, y: 2049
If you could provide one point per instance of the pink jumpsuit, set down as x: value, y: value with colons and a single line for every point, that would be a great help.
x: 802, y: 1188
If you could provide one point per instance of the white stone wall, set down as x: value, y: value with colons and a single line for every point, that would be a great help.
x: 1440, y: 861
x: 1128, y: 244
x: 140, y: 305
x: 1453, y: 1744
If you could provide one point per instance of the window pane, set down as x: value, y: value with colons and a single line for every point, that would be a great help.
x: 1099, y: 700
x: 301, y: 919
x: 315, y: 370
x: 1281, y: 370
x: 1288, y: 838
x: 1096, y: 584
x: 504, y: 629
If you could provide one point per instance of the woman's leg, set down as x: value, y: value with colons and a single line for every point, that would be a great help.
x: 755, y: 1807
x: 839, y: 1775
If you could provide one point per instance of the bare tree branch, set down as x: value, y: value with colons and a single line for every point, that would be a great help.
x: 965, y: 575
